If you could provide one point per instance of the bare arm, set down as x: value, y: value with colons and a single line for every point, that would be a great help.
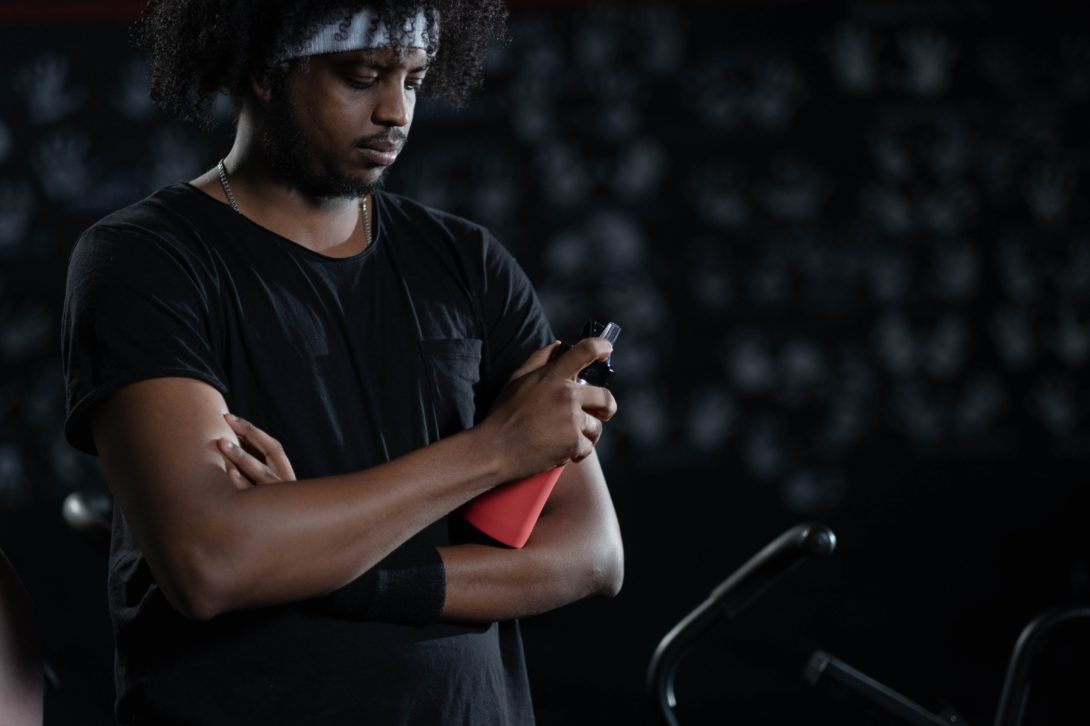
x: 214, y: 547
x: 20, y: 653
x: 574, y: 551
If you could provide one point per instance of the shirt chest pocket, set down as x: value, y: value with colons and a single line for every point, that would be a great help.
x: 454, y: 370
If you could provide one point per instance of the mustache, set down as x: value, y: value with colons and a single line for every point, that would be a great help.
x: 395, y: 137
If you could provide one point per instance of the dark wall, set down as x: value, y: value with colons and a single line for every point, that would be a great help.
x: 849, y: 246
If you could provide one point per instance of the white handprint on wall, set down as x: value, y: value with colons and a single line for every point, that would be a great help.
x: 947, y: 209
x: 794, y: 191
x: 62, y: 165
x: 929, y: 59
x: 1070, y: 338
x: 768, y: 281
x: 1049, y: 191
x: 710, y: 418
x: 16, y: 213
x: 1073, y: 274
x: 1012, y: 334
x: 916, y: 413
x: 956, y: 271
x: 662, y: 39
x: 765, y: 449
x: 595, y: 39
x: 14, y: 483
x: 895, y: 345
x: 716, y: 95
x: 1017, y: 274
x: 811, y: 490
x: 888, y: 273
x: 749, y: 364
x: 619, y: 243
x: 802, y: 372
x: 892, y: 157
x: 25, y: 332
x: 648, y: 423
x: 707, y: 276
x: 639, y: 170
x: 854, y: 57
x: 1052, y: 400
x: 982, y: 403
x: 888, y: 207
x: 777, y: 92
x: 946, y: 349
x: 132, y: 98
x: 45, y: 86
x: 717, y: 193
x: 845, y: 420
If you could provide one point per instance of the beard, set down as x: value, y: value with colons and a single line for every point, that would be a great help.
x: 294, y: 162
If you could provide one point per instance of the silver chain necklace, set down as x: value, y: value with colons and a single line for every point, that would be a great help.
x: 365, y: 212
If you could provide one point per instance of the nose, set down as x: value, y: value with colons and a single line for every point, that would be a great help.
x: 394, y: 106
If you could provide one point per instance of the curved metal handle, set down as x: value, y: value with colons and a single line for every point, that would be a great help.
x: 727, y: 600
x: 1012, y: 699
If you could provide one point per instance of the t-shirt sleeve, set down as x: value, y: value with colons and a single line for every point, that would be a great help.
x: 515, y: 322
x: 136, y: 306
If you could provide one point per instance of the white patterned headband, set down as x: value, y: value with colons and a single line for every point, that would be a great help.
x: 366, y: 30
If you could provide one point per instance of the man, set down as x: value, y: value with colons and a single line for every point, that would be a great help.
x: 306, y: 563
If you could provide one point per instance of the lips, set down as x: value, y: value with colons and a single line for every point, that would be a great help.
x: 381, y: 154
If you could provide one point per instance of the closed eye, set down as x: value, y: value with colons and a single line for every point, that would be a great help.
x: 360, y: 83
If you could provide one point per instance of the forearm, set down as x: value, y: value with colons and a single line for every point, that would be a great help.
x: 295, y: 540
x: 216, y: 544
x: 215, y: 548
x: 575, y: 551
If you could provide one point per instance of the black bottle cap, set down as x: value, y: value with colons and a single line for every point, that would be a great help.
x: 600, y: 373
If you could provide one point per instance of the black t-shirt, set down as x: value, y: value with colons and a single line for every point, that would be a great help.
x: 348, y: 362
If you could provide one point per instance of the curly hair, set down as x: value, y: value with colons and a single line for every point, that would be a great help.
x: 200, y: 48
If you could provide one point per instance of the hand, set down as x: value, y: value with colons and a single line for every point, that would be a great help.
x: 257, y: 459
x: 545, y: 415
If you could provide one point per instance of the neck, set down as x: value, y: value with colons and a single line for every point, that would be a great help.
x: 328, y: 226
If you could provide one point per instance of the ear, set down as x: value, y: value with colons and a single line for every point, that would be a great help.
x: 260, y: 88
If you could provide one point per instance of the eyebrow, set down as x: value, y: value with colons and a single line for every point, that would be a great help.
x: 372, y: 62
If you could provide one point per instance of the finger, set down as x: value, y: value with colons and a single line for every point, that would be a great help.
x: 581, y: 355
x: 247, y: 464
x: 536, y: 360
x: 592, y: 428
x: 237, y: 478
x: 264, y: 444
x: 597, y: 401
x: 586, y: 448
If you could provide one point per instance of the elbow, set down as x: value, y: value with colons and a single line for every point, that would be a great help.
x: 194, y: 604
x: 195, y: 585
x: 608, y: 571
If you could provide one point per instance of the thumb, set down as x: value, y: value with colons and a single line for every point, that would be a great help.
x: 538, y: 359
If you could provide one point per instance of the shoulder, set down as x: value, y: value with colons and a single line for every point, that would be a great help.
x: 407, y: 221
x: 400, y: 210
x: 170, y: 208
x: 152, y: 243
x: 163, y: 226
x: 411, y: 223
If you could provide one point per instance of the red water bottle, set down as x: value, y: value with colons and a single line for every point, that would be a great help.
x: 509, y: 512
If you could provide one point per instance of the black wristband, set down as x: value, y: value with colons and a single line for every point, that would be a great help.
x: 408, y: 587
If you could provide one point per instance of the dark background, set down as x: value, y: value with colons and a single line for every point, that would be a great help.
x: 849, y: 246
